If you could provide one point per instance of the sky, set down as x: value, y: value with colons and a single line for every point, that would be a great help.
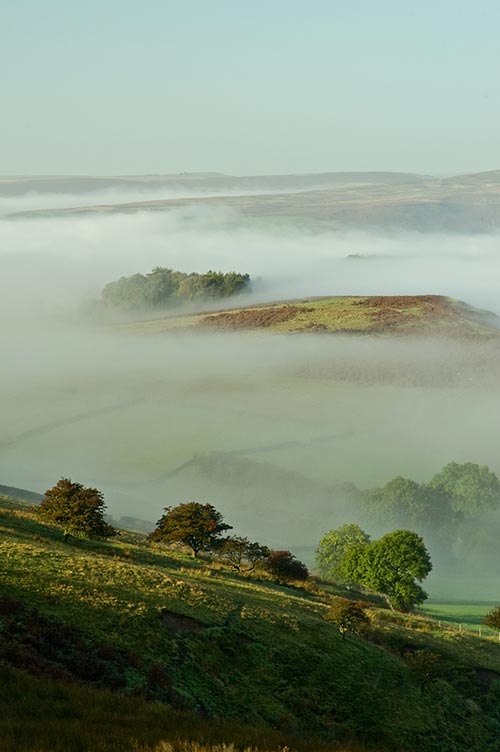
x: 261, y: 87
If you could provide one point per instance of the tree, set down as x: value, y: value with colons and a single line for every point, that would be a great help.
x: 393, y: 565
x: 349, y: 616
x: 79, y: 510
x: 404, y: 502
x: 284, y: 567
x: 164, y: 287
x: 333, y: 546
x: 240, y: 551
x: 492, y: 618
x: 192, y: 524
x: 473, y: 489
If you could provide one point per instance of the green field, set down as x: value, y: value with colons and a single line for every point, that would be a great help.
x: 468, y: 615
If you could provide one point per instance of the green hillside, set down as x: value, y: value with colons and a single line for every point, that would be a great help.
x: 155, y: 626
x: 401, y: 314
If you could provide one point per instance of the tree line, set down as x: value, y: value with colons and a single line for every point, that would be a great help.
x: 458, y: 493
x: 164, y: 288
x: 394, y: 565
x: 80, y: 511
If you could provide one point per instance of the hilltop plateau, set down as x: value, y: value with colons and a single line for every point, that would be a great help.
x: 425, y: 315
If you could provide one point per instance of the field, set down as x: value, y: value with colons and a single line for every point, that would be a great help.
x: 465, y: 615
x: 154, y: 624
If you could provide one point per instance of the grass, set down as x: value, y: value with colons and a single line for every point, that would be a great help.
x: 46, y: 715
x: 258, y: 657
x: 421, y: 314
x: 469, y: 614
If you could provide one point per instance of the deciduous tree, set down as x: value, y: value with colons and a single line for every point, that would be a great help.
x: 79, y: 510
x: 333, y: 546
x: 242, y: 553
x: 392, y: 565
x: 193, y: 524
x: 403, y: 502
x: 473, y: 489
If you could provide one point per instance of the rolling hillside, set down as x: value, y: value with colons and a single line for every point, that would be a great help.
x: 145, y: 622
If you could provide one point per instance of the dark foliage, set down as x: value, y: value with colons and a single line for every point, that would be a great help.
x: 192, y: 524
x: 79, y: 510
x: 242, y: 554
x: 165, y: 287
x: 284, y: 567
x: 492, y: 618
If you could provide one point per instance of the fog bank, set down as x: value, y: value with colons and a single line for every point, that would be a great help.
x: 266, y: 428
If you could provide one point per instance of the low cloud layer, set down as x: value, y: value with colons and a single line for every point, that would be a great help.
x: 57, y: 261
x: 134, y: 415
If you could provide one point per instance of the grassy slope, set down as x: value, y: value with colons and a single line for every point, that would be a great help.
x: 257, y: 653
x: 420, y: 314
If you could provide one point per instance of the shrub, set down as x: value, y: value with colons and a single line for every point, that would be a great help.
x: 349, y: 617
x: 284, y: 567
x: 492, y: 618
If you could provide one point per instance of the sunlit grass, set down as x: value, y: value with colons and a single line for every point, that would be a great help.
x: 257, y: 654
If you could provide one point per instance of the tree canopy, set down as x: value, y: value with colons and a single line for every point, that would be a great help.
x: 473, y: 489
x: 79, y: 510
x: 241, y: 553
x: 165, y: 287
x: 192, y: 524
x: 393, y: 565
x: 333, y: 546
x: 403, y: 502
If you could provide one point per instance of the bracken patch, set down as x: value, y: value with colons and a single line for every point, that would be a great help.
x: 252, y: 318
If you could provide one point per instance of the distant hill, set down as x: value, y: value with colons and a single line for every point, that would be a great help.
x: 464, y: 203
x: 368, y: 315
x: 195, y: 181
x: 21, y: 494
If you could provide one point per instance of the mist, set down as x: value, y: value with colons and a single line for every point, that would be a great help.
x: 10, y: 205
x: 267, y: 428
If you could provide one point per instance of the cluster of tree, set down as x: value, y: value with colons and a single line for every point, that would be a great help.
x: 393, y: 565
x: 164, y: 287
x: 80, y: 512
x: 199, y: 526
x: 458, y: 493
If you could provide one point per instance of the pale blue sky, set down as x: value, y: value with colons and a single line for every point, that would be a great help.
x: 248, y: 86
